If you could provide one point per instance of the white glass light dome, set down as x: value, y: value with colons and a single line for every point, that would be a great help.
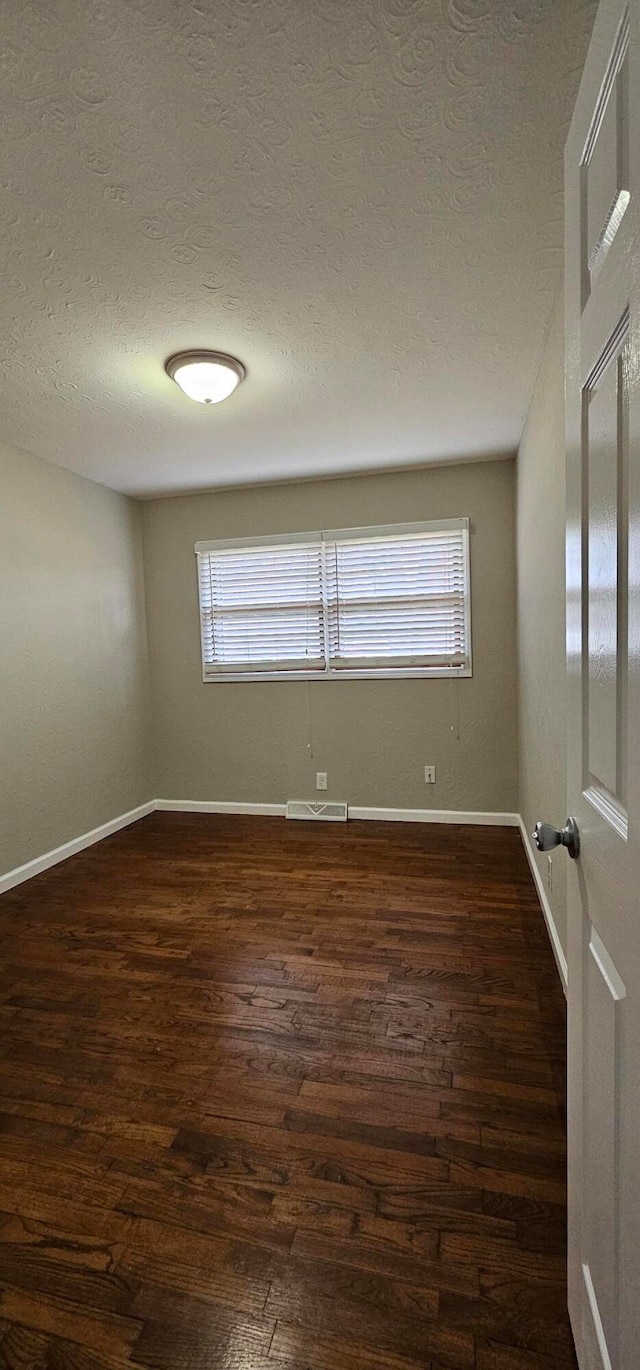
x: 207, y: 377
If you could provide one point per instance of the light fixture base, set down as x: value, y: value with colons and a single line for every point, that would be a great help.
x: 205, y: 376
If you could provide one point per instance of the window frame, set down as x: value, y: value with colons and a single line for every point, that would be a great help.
x: 328, y: 672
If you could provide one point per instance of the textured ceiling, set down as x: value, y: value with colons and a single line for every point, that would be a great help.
x: 361, y: 199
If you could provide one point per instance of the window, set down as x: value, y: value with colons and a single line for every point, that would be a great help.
x: 353, y: 602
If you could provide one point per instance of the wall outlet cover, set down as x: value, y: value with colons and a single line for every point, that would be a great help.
x: 429, y: 775
x: 321, y: 780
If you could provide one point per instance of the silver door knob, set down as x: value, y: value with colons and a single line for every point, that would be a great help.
x: 546, y: 837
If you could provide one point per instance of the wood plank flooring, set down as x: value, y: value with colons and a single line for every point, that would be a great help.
x: 282, y: 1096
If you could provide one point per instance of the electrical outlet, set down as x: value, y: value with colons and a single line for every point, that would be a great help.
x: 549, y: 874
x: 429, y: 775
x: 321, y: 780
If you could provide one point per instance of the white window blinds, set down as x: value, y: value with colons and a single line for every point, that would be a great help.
x: 383, y: 601
x: 262, y: 608
x: 398, y: 600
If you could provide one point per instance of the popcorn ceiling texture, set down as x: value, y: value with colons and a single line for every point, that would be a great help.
x: 362, y: 199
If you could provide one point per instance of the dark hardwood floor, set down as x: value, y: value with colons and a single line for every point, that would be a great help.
x: 282, y: 1096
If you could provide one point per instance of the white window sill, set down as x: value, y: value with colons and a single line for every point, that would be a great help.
x: 429, y: 672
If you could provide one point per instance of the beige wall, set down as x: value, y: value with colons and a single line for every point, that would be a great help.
x: 74, y: 748
x: 263, y: 742
x: 541, y: 610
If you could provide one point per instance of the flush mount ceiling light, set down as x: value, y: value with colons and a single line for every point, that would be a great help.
x: 207, y: 377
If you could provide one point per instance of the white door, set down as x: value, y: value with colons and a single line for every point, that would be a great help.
x: 602, y: 260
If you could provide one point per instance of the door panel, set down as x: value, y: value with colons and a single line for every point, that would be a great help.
x: 605, y: 484
x: 604, y: 164
x: 602, y: 294
x: 604, y: 991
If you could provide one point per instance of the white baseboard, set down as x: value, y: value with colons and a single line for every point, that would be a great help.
x: 554, y: 936
x: 87, y: 839
x: 474, y: 816
x: 504, y: 820
x: 219, y: 806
